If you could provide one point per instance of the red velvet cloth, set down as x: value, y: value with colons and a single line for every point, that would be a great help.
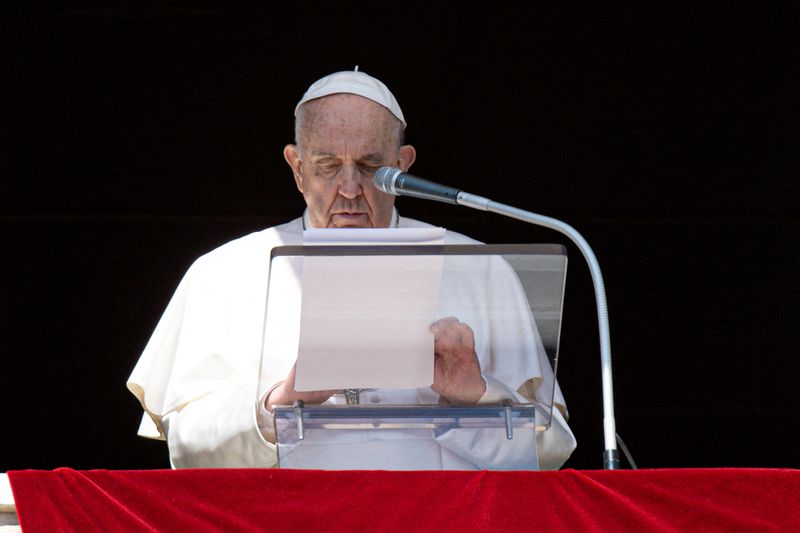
x: 268, y: 500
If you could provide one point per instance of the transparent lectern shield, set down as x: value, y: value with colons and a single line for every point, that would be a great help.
x: 357, y: 319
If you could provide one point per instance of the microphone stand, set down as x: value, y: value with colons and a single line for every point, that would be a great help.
x: 610, y: 455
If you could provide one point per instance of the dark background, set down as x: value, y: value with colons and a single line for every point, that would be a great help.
x: 137, y: 136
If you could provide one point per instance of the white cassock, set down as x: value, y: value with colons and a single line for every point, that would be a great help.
x: 197, y: 377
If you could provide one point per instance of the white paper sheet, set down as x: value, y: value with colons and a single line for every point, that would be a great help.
x: 365, y: 319
x: 374, y: 236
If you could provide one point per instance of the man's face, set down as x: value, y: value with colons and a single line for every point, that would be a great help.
x: 346, y: 138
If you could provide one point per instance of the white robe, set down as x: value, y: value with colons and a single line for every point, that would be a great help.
x: 196, y: 378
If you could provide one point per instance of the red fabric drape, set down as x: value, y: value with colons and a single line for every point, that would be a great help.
x: 268, y: 500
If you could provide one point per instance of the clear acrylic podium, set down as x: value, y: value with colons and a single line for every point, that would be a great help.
x: 511, y: 296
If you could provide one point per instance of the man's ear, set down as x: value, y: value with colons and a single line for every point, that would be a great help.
x: 408, y: 154
x: 293, y: 158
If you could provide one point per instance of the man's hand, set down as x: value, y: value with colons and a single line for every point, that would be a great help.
x: 456, y: 371
x: 284, y: 394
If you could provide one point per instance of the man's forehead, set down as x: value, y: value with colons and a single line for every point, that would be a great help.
x: 348, y: 123
x: 365, y: 144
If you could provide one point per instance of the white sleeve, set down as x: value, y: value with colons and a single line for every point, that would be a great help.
x: 554, y: 446
x: 218, y: 430
x: 489, y: 448
x: 197, y: 378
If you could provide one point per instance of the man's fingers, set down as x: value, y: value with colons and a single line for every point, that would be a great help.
x: 443, y: 324
x: 451, y: 335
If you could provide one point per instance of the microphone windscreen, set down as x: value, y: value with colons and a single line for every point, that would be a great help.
x: 384, y: 179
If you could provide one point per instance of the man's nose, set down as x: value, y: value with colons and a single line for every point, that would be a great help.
x: 352, y: 181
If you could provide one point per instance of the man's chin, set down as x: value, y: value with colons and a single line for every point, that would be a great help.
x: 349, y: 220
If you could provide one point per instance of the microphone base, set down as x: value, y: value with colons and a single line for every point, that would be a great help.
x: 611, y: 460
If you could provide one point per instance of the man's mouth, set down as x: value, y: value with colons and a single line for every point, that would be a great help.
x: 354, y: 219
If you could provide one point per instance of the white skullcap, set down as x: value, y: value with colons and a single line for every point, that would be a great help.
x: 353, y: 82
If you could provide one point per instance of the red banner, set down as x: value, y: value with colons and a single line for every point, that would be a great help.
x: 260, y: 500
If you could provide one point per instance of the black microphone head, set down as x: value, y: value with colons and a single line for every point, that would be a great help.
x: 385, y: 178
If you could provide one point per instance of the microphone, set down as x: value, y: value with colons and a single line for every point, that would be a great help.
x: 394, y: 181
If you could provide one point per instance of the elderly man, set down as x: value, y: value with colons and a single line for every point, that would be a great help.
x: 196, y: 377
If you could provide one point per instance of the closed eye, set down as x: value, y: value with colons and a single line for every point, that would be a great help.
x: 369, y: 168
x: 328, y: 166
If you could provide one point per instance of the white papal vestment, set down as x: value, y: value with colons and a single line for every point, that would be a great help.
x: 197, y: 377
